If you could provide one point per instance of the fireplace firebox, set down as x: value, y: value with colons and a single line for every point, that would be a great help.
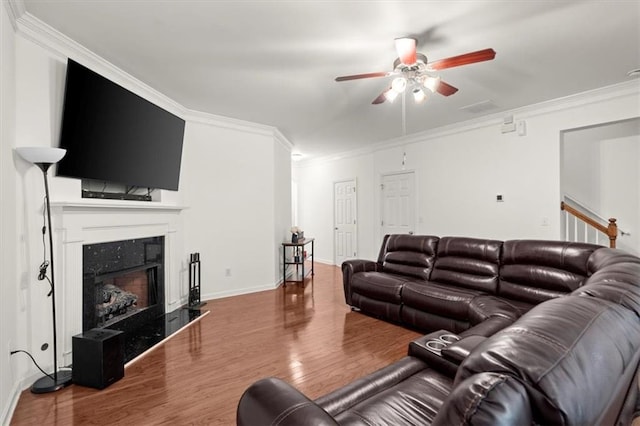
x: 123, y: 283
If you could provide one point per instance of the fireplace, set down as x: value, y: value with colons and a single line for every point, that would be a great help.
x: 123, y: 283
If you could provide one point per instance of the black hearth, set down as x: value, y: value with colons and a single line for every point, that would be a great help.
x: 123, y: 283
x: 123, y: 289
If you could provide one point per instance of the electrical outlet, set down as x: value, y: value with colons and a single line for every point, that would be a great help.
x: 227, y: 272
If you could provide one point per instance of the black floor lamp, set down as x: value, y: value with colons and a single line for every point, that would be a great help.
x: 44, y: 157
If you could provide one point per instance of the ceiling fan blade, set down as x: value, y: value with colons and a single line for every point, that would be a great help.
x: 359, y: 76
x: 467, y: 58
x: 381, y: 97
x: 445, y: 89
x: 406, y: 48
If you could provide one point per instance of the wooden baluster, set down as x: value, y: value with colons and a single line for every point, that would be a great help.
x: 612, y: 232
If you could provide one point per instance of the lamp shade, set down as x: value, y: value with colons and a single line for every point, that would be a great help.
x: 41, y: 154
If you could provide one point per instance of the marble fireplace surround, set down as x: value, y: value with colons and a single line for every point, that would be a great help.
x: 91, y: 222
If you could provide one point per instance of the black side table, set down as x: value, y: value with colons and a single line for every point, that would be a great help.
x: 297, y: 257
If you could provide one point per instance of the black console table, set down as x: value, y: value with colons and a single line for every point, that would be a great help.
x: 297, y: 256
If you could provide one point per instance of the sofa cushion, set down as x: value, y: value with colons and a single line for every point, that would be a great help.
x: 485, y: 306
x: 409, y: 255
x: 367, y: 386
x: 534, y: 271
x: 428, y: 322
x: 486, y: 399
x: 522, y: 307
x: 415, y: 400
x: 440, y: 299
x: 377, y: 308
x: 379, y: 285
x: 560, y: 350
x: 468, y: 262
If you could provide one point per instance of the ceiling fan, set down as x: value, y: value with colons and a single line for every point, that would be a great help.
x: 414, y: 72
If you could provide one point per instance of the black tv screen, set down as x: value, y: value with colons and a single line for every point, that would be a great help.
x: 113, y: 135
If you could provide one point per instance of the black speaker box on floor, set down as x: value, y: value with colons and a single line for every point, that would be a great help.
x: 98, y: 358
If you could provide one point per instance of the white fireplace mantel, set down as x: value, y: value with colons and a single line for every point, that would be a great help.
x: 93, y: 205
x: 77, y: 223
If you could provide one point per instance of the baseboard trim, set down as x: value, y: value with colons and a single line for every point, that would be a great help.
x: 256, y: 289
x: 18, y: 388
x: 238, y: 292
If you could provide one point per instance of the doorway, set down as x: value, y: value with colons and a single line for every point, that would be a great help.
x: 345, y: 202
x: 398, y: 210
x: 599, y: 173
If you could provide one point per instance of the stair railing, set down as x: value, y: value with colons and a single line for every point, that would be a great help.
x: 610, y: 229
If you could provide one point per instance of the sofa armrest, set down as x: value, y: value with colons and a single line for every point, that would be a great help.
x: 272, y: 401
x: 488, y: 327
x: 488, y: 315
x: 458, y: 351
x: 351, y: 267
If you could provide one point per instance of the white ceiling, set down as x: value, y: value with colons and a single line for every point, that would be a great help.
x: 274, y: 62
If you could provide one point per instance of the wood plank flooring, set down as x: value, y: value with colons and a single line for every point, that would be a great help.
x: 305, y: 335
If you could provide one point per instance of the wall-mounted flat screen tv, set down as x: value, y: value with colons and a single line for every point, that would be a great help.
x: 113, y: 135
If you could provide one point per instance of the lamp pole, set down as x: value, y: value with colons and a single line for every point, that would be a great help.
x: 59, y: 380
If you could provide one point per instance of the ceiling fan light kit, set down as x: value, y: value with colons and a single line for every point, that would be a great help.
x: 419, y: 96
x: 412, y: 69
x: 389, y: 95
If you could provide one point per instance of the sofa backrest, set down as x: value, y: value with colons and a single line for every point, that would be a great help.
x: 468, y: 262
x: 410, y: 255
x: 615, y: 277
x: 576, y: 356
x: 533, y: 271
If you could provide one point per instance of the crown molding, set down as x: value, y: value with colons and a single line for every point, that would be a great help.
x: 214, y: 120
x: 282, y: 140
x: 628, y: 88
x: 15, y: 9
x: 63, y: 47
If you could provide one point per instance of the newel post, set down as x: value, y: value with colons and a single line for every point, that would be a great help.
x: 612, y: 232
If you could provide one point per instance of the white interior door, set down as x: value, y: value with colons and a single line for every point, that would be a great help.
x: 398, y: 203
x: 344, y: 219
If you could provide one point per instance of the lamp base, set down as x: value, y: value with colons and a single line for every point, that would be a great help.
x: 46, y: 384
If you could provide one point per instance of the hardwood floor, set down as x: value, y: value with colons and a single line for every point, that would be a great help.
x: 304, y: 335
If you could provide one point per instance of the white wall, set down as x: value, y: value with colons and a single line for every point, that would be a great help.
x: 581, y: 169
x: 9, y: 276
x: 460, y: 170
x: 229, y: 186
x: 315, y: 202
x: 281, y: 201
x: 620, y: 187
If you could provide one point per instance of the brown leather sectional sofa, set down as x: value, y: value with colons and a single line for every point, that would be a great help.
x: 464, y: 285
x: 521, y: 332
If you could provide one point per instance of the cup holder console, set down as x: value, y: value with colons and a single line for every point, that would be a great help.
x: 437, y: 344
x: 429, y: 349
